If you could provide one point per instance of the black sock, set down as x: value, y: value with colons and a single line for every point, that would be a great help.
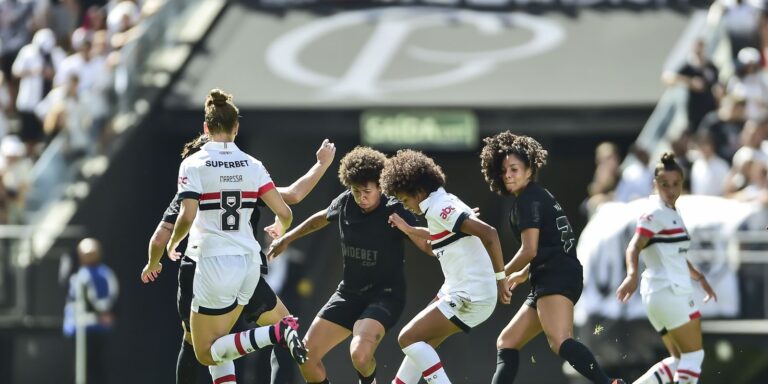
x: 583, y: 361
x: 507, y: 361
x: 186, y: 365
x: 367, y: 379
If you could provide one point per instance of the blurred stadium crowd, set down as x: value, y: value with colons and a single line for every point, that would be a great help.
x: 59, y: 78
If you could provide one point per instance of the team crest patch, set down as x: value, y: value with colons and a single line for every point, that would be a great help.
x: 446, y: 212
x: 231, y: 201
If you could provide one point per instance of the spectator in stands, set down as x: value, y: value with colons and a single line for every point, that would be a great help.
x: 752, y: 82
x: 752, y: 137
x: 709, y: 171
x: 742, y: 19
x: 63, y: 18
x: 606, y: 176
x: 6, y: 106
x: 100, y: 293
x: 14, y: 34
x: 65, y: 110
x: 637, y: 178
x: 700, y: 77
x: 756, y: 188
x: 15, y: 169
x: 36, y: 66
x: 95, y: 18
x: 725, y: 125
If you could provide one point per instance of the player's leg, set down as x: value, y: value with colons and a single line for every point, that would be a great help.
x: 187, y: 365
x: 680, y: 316
x: 428, y: 325
x: 321, y: 337
x: 366, y: 335
x: 281, y: 361
x: 520, y: 330
x: 408, y: 372
x: 662, y: 372
x: 689, y: 341
x: 380, y: 315
x: 556, y: 317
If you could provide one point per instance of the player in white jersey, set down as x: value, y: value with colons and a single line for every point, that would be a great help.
x: 224, y: 183
x: 666, y: 289
x: 470, y: 256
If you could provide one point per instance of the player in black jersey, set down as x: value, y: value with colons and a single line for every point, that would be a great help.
x: 371, y: 296
x: 547, y: 255
x: 265, y: 307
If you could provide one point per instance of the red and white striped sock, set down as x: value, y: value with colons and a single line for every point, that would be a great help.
x: 689, y: 368
x: 223, y: 373
x: 408, y: 373
x: 234, y: 345
x: 428, y: 362
x: 662, y: 372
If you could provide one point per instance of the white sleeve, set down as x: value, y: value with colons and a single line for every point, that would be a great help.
x: 190, y: 185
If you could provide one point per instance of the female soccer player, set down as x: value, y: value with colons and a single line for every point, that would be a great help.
x: 548, y: 255
x: 224, y: 183
x: 371, y: 296
x: 666, y: 289
x: 470, y: 256
x: 264, y: 307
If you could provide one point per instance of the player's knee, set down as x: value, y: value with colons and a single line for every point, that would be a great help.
x: 204, y: 357
x: 361, y: 357
x: 406, y: 338
x: 555, y: 342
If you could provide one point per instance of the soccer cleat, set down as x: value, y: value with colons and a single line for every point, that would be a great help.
x: 287, y: 335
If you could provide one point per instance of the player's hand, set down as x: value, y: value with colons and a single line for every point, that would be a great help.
x: 515, y: 279
x: 627, y: 288
x: 274, y: 230
x: 476, y: 211
x: 326, y: 153
x: 173, y: 254
x: 277, y: 247
x: 151, y: 272
x: 708, y: 289
x: 395, y: 221
x: 505, y: 293
x: 698, y: 84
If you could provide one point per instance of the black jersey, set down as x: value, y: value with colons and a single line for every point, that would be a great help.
x: 535, y: 207
x: 374, y: 253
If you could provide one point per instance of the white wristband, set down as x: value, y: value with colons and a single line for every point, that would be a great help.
x: 500, y: 275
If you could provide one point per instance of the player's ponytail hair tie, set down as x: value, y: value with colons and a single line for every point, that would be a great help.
x: 667, y: 163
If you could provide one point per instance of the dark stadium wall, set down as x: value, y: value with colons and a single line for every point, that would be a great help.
x: 126, y: 204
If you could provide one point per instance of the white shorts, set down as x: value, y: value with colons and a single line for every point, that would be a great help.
x: 223, y: 282
x: 668, y: 310
x: 463, y: 312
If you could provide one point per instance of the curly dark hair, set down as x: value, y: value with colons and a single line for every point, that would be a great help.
x: 360, y: 166
x: 191, y: 147
x: 498, y: 147
x: 411, y: 172
x: 667, y: 163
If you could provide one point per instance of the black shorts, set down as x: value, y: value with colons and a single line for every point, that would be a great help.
x: 345, y: 308
x: 263, y: 299
x: 560, y: 276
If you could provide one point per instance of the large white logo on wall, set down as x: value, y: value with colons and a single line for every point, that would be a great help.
x: 394, y: 26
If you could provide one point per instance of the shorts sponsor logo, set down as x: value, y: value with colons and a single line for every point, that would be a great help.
x: 446, y: 212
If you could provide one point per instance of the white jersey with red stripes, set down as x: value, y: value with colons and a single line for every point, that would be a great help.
x: 665, y: 255
x: 465, y: 262
x: 227, y: 182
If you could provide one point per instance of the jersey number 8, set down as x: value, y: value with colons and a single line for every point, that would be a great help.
x: 231, y: 202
